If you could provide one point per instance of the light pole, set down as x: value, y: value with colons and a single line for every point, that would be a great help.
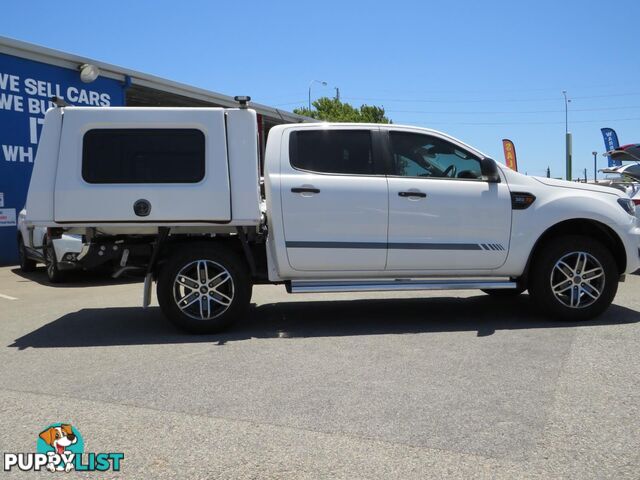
x: 324, y: 84
x: 567, y: 135
x: 595, y: 165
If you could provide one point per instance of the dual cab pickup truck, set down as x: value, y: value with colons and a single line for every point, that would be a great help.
x: 333, y: 208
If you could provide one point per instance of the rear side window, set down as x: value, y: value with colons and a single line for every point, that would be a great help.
x: 143, y: 155
x: 332, y: 151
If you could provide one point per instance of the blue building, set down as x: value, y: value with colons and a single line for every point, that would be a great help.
x: 31, y: 75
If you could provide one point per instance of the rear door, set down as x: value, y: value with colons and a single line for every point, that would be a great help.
x: 334, y: 200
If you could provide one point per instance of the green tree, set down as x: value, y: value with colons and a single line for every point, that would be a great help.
x: 333, y: 110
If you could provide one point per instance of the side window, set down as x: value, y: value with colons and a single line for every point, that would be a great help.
x: 332, y: 151
x: 417, y: 155
x: 143, y: 155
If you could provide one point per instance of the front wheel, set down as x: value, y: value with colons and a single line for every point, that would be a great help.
x: 204, y: 289
x: 573, y: 278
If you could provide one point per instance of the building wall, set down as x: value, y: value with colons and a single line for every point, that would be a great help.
x: 26, y: 87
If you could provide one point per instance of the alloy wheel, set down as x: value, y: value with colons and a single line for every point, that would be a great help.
x: 50, y: 261
x: 577, y: 280
x: 203, y: 289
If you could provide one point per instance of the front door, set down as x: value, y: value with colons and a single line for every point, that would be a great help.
x: 334, y: 201
x: 442, y: 215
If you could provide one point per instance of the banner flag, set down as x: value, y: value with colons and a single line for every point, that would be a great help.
x: 610, y: 143
x: 510, y: 154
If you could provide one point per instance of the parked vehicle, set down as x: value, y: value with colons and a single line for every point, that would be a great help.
x: 346, y: 207
x: 628, y: 181
x: 58, y: 255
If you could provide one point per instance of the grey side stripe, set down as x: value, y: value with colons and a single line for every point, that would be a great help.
x: 434, y: 246
x: 372, y: 245
x: 393, y: 246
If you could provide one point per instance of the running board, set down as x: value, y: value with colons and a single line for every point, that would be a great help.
x: 317, y: 286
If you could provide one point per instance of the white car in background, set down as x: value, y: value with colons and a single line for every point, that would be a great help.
x: 629, y: 181
x: 58, y: 255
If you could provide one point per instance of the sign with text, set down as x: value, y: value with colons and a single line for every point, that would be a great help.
x: 26, y: 88
x: 7, y: 217
x: 611, y: 143
x: 510, y: 154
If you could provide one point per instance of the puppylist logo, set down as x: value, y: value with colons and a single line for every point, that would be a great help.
x: 60, y: 448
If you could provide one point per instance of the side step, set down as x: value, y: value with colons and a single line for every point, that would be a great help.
x: 317, y: 286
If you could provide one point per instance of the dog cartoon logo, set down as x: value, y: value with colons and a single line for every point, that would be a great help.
x: 60, y: 448
x: 61, y: 442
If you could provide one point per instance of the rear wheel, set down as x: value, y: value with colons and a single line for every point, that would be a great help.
x: 204, y: 289
x: 26, y: 264
x: 51, y: 262
x: 573, y: 278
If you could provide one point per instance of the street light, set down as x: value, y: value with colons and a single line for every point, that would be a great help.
x: 595, y: 167
x: 324, y: 84
x: 567, y: 101
x: 567, y: 135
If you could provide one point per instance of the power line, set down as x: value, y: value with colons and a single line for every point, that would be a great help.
x: 531, y: 123
x: 476, y: 100
x: 297, y: 102
x: 511, y: 112
x: 511, y: 100
x: 510, y: 90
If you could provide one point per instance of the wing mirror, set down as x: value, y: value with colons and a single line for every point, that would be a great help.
x: 489, y: 170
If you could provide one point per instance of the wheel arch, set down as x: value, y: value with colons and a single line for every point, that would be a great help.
x: 582, y: 226
x: 179, y: 243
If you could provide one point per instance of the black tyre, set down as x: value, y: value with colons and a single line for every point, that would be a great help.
x: 204, y: 288
x: 505, y: 292
x: 26, y: 264
x: 573, y: 278
x: 51, y: 263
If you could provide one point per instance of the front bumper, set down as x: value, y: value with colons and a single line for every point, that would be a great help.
x: 632, y: 247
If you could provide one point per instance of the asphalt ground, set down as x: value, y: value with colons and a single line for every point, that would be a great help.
x: 383, y: 385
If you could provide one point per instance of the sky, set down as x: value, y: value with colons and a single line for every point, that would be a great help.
x: 478, y: 70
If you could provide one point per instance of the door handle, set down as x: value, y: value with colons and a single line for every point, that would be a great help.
x: 305, y: 190
x: 412, y: 194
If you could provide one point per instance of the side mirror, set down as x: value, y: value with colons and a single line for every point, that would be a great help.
x: 489, y: 170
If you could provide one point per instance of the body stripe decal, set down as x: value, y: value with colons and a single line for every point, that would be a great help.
x: 380, y: 245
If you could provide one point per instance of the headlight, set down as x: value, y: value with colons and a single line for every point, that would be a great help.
x: 628, y: 205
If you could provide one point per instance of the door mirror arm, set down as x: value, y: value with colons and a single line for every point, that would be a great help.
x: 489, y: 170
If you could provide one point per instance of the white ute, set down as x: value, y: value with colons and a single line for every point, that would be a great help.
x: 344, y: 208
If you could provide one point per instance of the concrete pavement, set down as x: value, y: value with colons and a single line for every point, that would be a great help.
x: 404, y: 385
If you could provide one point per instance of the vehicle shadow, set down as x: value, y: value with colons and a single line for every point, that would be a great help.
x: 77, y: 279
x: 289, y: 320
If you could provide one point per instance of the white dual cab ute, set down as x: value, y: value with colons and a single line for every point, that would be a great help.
x: 333, y: 208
